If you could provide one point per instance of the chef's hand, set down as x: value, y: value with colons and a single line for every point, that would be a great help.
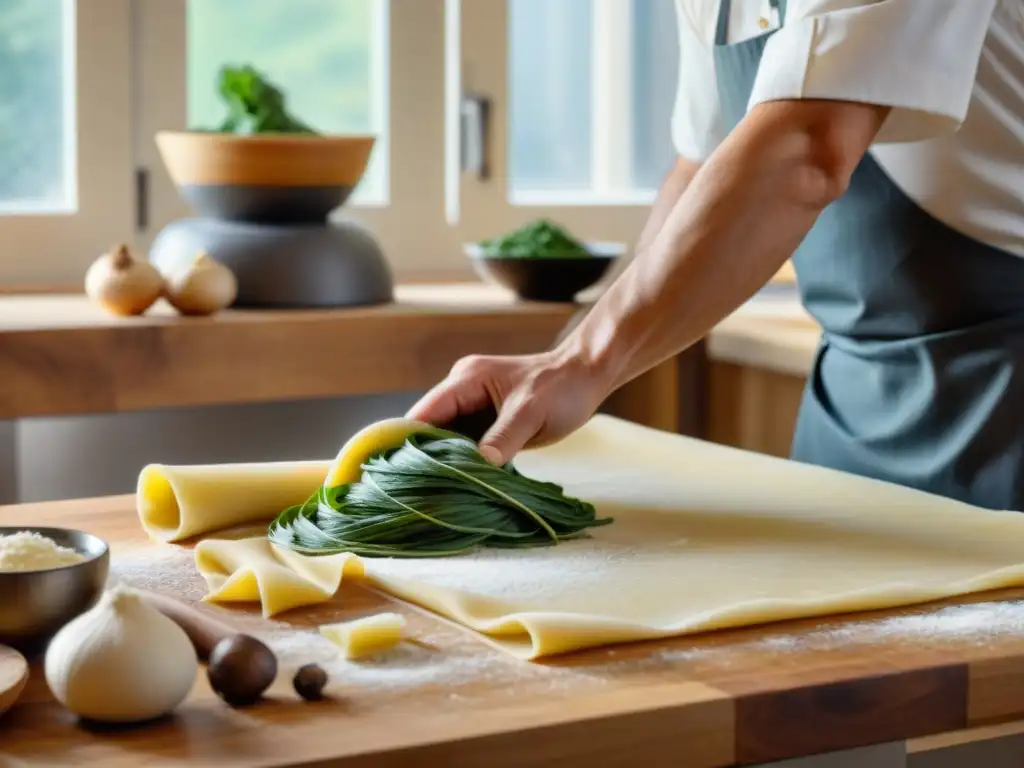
x: 539, y: 399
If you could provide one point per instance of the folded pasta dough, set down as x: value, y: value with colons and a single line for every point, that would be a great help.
x: 705, y: 537
x: 255, y: 571
x: 180, y: 502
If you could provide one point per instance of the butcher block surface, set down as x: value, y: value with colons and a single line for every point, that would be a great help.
x: 729, y: 698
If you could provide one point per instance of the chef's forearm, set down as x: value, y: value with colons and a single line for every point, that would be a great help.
x: 671, y: 190
x: 743, y: 214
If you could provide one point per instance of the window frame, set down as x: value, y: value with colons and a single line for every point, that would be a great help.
x: 486, y: 207
x: 52, y: 247
x: 410, y: 224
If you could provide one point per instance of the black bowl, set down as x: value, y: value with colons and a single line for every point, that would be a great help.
x: 546, y: 278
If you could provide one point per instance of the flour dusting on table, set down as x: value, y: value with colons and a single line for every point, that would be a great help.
x: 450, y: 661
x: 454, y: 661
x: 976, y: 625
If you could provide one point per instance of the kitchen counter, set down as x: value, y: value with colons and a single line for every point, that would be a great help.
x: 757, y: 364
x: 899, y: 688
x: 772, y: 332
x: 62, y: 355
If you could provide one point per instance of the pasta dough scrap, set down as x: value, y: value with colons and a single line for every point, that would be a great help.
x: 254, y: 570
x: 177, y: 503
x: 368, y: 636
x: 705, y: 537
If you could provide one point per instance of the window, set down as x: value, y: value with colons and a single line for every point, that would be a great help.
x: 581, y: 94
x: 327, y: 56
x: 591, y: 89
x: 37, y: 103
x: 65, y: 156
x: 346, y: 66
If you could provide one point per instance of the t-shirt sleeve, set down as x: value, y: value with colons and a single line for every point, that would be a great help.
x: 919, y: 57
x: 697, y: 127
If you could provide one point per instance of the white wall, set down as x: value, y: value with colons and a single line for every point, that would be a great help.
x: 74, y: 457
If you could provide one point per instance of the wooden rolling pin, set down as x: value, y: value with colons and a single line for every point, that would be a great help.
x: 203, y: 630
x: 240, y: 668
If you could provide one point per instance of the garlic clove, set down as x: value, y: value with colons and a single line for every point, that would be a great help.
x: 121, y: 662
x: 205, y: 286
x: 123, y: 284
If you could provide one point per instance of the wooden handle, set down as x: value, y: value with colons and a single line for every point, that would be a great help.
x: 203, y: 630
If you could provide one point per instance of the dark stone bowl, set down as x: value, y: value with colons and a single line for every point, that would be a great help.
x: 339, y: 264
x: 546, y: 278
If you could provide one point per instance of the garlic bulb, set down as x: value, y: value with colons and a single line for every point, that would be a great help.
x: 204, y: 287
x: 121, y: 662
x: 122, y: 283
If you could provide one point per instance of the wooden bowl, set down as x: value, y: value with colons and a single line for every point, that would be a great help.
x: 267, y: 178
x: 546, y: 278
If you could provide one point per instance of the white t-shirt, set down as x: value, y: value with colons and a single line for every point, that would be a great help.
x: 952, y: 70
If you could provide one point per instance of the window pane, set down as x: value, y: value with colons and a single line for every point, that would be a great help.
x: 36, y: 106
x: 549, y: 90
x: 326, y: 55
x: 655, y: 76
x: 578, y: 125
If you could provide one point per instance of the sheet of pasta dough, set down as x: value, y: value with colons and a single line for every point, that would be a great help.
x: 705, y: 537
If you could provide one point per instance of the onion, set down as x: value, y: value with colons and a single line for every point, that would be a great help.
x: 204, y: 287
x: 123, y: 284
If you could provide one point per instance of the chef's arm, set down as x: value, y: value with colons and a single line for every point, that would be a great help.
x: 671, y: 190
x: 741, y: 217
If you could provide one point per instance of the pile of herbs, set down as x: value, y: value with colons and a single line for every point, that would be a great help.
x: 254, y: 104
x: 433, y: 496
x: 539, y: 239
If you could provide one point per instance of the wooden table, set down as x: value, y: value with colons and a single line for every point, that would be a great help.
x: 873, y: 691
x: 61, y: 355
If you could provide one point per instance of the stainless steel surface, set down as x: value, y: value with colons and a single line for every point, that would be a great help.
x: 34, y: 605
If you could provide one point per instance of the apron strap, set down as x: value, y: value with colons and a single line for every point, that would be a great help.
x: 722, y: 31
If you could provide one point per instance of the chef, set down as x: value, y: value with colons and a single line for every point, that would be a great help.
x: 880, y: 145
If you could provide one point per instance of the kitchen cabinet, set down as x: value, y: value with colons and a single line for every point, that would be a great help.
x: 757, y: 365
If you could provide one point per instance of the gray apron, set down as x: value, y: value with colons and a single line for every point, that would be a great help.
x: 919, y: 378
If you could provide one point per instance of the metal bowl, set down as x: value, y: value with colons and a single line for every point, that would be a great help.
x: 34, y: 605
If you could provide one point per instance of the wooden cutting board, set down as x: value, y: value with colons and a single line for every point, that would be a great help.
x: 13, y: 676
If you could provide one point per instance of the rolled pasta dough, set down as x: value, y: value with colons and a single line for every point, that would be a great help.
x: 705, y: 537
x: 180, y: 502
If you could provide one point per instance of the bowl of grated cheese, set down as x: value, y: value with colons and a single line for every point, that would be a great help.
x: 48, y: 576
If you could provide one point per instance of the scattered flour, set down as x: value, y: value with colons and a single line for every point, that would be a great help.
x: 449, y: 660
x: 976, y: 625
x: 453, y: 661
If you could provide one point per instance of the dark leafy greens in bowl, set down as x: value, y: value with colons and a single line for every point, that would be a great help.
x: 537, y: 240
x: 254, y: 104
x: 543, y: 262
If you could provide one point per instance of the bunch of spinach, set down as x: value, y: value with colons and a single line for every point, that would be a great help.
x: 539, y: 239
x: 434, y: 495
x: 254, y: 104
